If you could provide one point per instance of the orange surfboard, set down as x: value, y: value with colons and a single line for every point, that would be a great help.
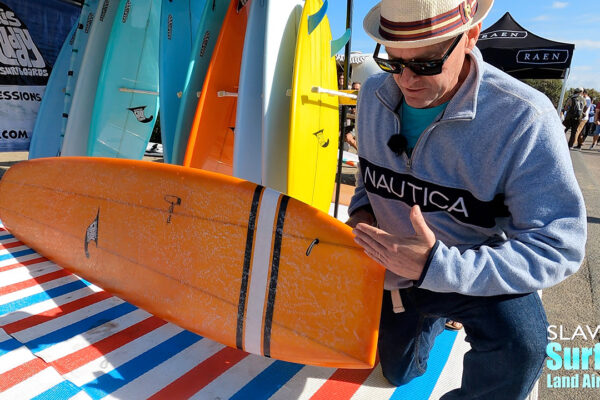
x: 210, y: 146
x: 228, y: 259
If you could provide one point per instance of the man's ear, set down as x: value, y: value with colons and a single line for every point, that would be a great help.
x: 472, y: 36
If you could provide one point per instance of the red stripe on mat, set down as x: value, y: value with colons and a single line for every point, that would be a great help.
x: 34, y: 281
x: 343, y: 384
x: 55, y: 312
x: 23, y: 263
x: 201, y: 375
x: 20, y: 373
x: 11, y: 245
x: 81, y: 357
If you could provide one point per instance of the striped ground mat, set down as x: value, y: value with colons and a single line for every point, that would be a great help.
x: 62, y: 337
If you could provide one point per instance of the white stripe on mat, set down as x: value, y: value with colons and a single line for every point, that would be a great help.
x: 108, y: 362
x: 13, y: 249
x: 78, y: 342
x: 304, y: 384
x: 44, y: 306
x: 375, y: 387
x: 261, y: 262
x: 20, y: 259
x: 25, y: 273
x: 37, y: 289
x: 33, y: 386
x: 234, y: 379
x: 165, y: 373
x: 451, y: 375
x: 14, y: 358
x: 57, y: 323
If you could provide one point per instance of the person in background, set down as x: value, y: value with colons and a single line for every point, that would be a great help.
x: 584, y: 119
x: 350, y: 136
x: 573, y: 112
x: 470, y: 212
x: 596, y: 133
x: 590, y: 126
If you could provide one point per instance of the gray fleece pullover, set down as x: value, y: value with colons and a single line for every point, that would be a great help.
x: 494, y: 180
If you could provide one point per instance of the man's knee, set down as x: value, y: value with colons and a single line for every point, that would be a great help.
x: 530, y: 348
x: 400, y: 372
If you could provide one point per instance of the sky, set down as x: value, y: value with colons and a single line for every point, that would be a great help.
x: 575, y: 21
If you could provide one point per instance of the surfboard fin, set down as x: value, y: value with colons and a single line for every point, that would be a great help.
x: 315, y: 19
x: 338, y: 44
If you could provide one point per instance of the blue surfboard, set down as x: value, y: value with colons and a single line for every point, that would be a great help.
x: 46, y: 138
x: 206, y: 38
x: 178, y: 26
x: 126, y: 104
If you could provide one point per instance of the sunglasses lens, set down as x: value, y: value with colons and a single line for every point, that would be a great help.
x: 386, y: 66
x: 426, y: 68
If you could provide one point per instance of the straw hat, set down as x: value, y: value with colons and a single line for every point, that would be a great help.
x: 419, y: 23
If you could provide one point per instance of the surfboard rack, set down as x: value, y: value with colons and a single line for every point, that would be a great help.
x: 138, y: 91
x: 339, y: 93
x: 224, y: 93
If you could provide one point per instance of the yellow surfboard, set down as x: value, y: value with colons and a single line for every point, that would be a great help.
x: 228, y: 259
x: 314, y: 117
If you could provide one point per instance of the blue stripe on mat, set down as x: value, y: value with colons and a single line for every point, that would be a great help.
x: 16, y: 254
x: 79, y: 327
x: 64, y: 390
x: 120, y: 376
x: 5, y: 237
x: 9, y: 345
x: 420, y: 388
x: 39, y: 297
x: 265, y: 384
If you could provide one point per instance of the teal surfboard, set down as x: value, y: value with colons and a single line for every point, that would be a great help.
x: 126, y: 104
x: 178, y: 26
x: 45, y: 141
x: 204, y: 44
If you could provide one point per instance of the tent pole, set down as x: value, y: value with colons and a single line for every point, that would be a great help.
x: 563, y: 90
x: 344, y: 111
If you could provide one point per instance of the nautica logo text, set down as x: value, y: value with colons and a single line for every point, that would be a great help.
x: 461, y: 204
x: 421, y: 195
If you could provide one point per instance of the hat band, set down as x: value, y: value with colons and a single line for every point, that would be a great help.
x: 431, y: 27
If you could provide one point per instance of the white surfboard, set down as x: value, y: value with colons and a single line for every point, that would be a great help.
x: 80, y: 114
x: 85, y: 24
x: 283, y: 20
x: 247, y: 148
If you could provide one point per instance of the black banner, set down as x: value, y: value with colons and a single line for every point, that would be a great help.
x: 21, y: 62
x: 459, y: 203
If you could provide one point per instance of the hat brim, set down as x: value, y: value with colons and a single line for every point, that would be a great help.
x: 371, y: 26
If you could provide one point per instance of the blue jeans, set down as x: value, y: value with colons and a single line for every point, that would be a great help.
x: 507, y: 334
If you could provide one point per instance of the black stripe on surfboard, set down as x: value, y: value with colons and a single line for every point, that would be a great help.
x: 239, y: 335
x: 274, y: 275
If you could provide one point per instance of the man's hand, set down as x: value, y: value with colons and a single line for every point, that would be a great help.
x: 404, y: 256
x: 361, y: 216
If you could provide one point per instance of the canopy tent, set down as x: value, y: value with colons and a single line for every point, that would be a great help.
x: 361, y: 66
x: 524, y: 55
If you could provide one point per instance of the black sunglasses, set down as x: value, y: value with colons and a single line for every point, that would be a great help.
x: 431, y: 67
